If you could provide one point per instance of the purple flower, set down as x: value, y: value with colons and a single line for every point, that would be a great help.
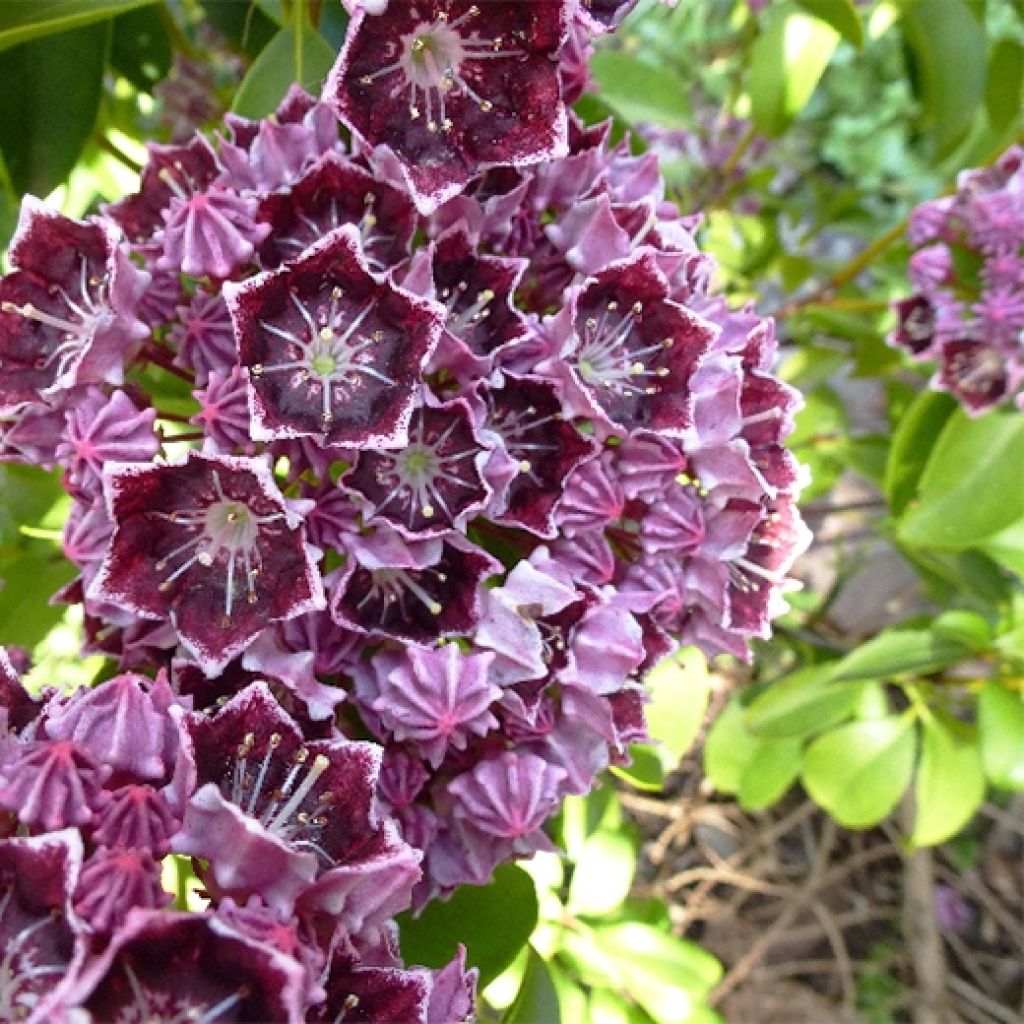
x: 211, y: 544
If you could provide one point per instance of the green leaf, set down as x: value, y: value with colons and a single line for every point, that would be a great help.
x: 801, y: 703
x: 27, y: 584
x: 667, y: 976
x: 786, y: 62
x: 645, y: 770
x: 242, y: 22
x: 912, y: 443
x: 639, y: 91
x: 946, y: 43
x: 538, y: 998
x: 964, y: 627
x: 23, y: 20
x: 303, y: 57
x: 140, y: 49
x: 859, y: 771
x: 604, y: 873
x: 756, y: 768
x: 1001, y: 735
x: 492, y: 921
x: 1005, y: 84
x: 1007, y: 547
x: 679, y: 688
x: 898, y: 651
x: 841, y: 15
x: 51, y: 94
x: 970, y: 488
x: 950, y: 784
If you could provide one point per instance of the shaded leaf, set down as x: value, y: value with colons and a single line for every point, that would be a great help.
x: 638, y: 91
x: 140, y: 49
x: 912, y: 443
x: 23, y: 20
x: 947, y: 45
x: 305, y: 58
x: 898, y: 651
x: 51, y: 89
x: 538, y: 998
x: 492, y: 921
x: 1005, y: 84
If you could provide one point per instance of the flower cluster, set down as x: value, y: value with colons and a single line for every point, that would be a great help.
x: 968, y: 271
x: 397, y: 456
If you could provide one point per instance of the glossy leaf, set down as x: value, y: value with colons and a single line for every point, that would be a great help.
x: 859, y: 771
x: 804, y: 702
x: 23, y: 20
x: 27, y: 585
x: 679, y: 689
x: 1007, y: 547
x: 912, y: 443
x: 51, y: 94
x: 638, y: 91
x: 842, y: 15
x: 604, y: 873
x: 492, y: 921
x: 645, y: 770
x: 949, y: 785
x: 1001, y: 735
x: 786, y: 62
x: 897, y: 652
x: 970, y: 488
x: 140, y: 49
x: 538, y: 998
x: 947, y: 44
x: 305, y: 58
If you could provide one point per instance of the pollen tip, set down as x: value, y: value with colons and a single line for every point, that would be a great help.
x: 435, y: 608
x: 428, y: 511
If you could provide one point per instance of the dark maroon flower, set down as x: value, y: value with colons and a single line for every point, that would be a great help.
x: 211, y: 544
x: 915, y: 330
x: 628, y: 352
x: 40, y: 954
x: 975, y: 372
x: 335, y: 192
x: 67, y: 314
x: 273, y: 813
x: 477, y: 291
x: 191, y: 967
x: 604, y: 15
x: 541, y: 447
x: 332, y: 352
x: 418, y: 592
x: 372, y: 995
x: 454, y: 87
x: 433, y: 484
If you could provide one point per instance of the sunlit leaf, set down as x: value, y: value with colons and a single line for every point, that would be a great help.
x: 22, y: 20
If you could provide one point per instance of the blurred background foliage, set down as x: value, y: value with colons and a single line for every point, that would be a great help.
x: 805, y: 131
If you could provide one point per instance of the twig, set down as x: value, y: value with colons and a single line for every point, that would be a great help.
x: 749, y: 961
x: 844, y: 968
x: 921, y: 929
x: 109, y: 146
x: 995, y: 1010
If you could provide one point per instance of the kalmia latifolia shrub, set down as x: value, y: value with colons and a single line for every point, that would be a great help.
x: 469, y: 447
x: 968, y: 269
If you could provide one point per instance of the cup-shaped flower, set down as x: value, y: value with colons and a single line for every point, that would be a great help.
x: 333, y: 352
x: 211, y: 544
x: 454, y: 87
